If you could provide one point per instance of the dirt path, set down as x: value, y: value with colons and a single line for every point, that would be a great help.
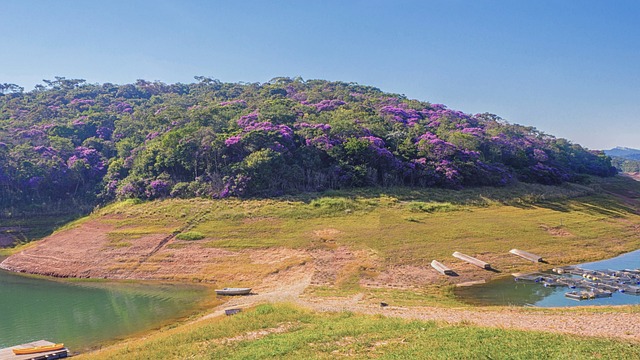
x: 604, y: 324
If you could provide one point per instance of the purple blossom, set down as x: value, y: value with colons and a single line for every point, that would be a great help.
x: 88, y: 161
x: 233, y: 102
x: 128, y: 190
x: 540, y: 155
x: 322, y: 127
x: 79, y: 121
x: 449, y: 170
x: 152, y: 135
x: 233, y: 140
x: 157, y: 188
x: 321, y: 142
x: 475, y: 131
x: 402, y: 114
x: 234, y: 186
x: 375, y: 141
x: 248, y: 119
x: 277, y: 147
x: 421, y: 161
x: 32, y: 133
x: 122, y: 107
x: 104, y: 133
x: 328, y: 105
x: 82, y: 102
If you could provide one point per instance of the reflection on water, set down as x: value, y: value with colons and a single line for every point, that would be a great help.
x: 506, y: 291
x: 87, y: 313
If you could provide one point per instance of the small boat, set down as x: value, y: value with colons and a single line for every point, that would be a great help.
x: 38, y: 349
x: 233, y: 291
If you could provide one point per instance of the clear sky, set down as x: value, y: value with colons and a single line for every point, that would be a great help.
x: 570, y: 68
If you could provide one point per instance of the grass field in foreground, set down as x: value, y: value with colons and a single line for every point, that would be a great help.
x: 284, y: 331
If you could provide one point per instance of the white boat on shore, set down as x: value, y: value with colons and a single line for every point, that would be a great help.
x: 233, y: 291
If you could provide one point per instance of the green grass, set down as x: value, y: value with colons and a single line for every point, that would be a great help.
x: 190, y: 235
x: 287, y: 332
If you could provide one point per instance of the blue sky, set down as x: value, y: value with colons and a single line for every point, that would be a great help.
x: 570, y: 68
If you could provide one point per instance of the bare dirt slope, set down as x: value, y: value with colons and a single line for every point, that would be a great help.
x: 88, y: 251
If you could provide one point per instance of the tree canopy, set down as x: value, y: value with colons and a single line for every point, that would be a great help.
x: 92, y: 143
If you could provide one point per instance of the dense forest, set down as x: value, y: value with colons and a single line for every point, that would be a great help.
x: 70, y: 142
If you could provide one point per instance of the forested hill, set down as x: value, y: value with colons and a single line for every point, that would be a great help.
x: 73, y: 142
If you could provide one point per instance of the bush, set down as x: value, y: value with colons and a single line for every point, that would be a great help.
x: 419, y: 206
x: 190, y: 235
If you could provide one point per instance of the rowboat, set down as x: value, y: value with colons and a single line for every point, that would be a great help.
x: 38, y: 349
x: 233, y: 291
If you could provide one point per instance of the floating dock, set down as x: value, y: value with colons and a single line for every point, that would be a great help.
x: 526, y: 255
x: 7, y: 353
x: 595, y: 283
x: 442, y: 269
x: 588, y: 295
x: 472, y: 260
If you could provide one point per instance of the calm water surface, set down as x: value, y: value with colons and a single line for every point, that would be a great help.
x: 509, y: 292
x: 85, y: 314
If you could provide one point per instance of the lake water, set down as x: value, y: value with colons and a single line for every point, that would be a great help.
x: 85, y: 314
x: 506, y: 291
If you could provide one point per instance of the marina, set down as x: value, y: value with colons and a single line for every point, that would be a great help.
x: 607, y: 282
x: 597, y: 283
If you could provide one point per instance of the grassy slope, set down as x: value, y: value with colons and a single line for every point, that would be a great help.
x: 403, y: 227
x: 283, y: 331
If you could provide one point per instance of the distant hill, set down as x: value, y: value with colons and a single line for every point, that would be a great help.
x: 70, y: 143
x: 624, y: 152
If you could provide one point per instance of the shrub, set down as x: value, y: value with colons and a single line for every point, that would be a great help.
x: 190, y: 235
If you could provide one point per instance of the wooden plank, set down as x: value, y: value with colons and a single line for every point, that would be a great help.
x: 441, y: 268
x: 526, y: 255
x: 7, y: 353
x: 472, y: 260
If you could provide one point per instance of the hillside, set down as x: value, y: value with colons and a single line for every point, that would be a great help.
x: 71, y: 145
x: 368, y: 241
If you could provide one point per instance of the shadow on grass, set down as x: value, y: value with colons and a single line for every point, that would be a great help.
x: 26, y: 227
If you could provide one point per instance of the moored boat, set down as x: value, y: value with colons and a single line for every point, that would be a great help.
x: 38, y: 349
x: 233, y: 291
